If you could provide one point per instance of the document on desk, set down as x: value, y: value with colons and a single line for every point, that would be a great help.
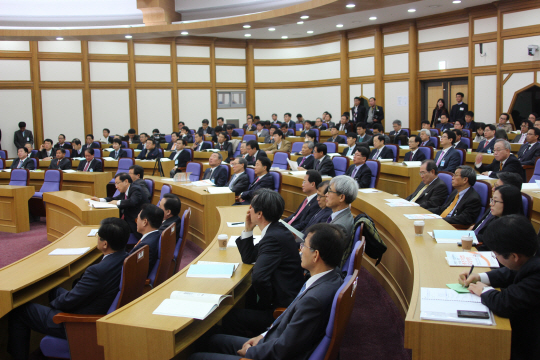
x: 476, y: 258
x: 201, y: 262
x: 69, y: 171
x: 530, y: 186
x: 421, y: 216
x: 401, y: 203
x: 298, y: 235
x: 443, y: 305
x: 452, y: 236
x: 190, y: 304
x: 219, y: 190
x: 483, y: 177
x: 102, y: 205
x: 93, y: 232
x: 368, y: 191
x: 212, y: 271
x: 293, y: 165
x: 72, y: 251
x: 202, y: 183
x: 412, y: 163
x: 108, y: 158
x: 232, y: 240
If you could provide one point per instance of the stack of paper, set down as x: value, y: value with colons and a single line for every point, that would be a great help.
x: 452, y: 236
x: 93, y: 232
x: 293, y: 165
x: 368, y: 191
x: 232, y: 240
x: 202, y: 183
x: 211, y: 270
x: 530, y: 186
x: 385, y: 160
x: 476, y: 258
x: 219, y: 190
x: 297, y: 173
x: 483, y: 177
x: 421, y: 216
x: 412, y: 163
x: 189, y: 304
x: 399, y: 203
x: 72, y: 251
x: 101, y: 205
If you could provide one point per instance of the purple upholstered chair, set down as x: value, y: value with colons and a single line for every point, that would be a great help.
x: 536, y: 173
x: 151, y: 186
x: 3, y: 154
x: 195, y: 169
x: 227, y: 169
x: 51, y: 182
x: 251, y: 174
x: 427, y: 151
x: 123, y: 166
x: 181, y: 243
x: 331, y: 147
x: 2, y: 164
x: 249, y: 137
x: 394, y: 149
x: 527, y: 205
x: 447, y: 178
x: 348, y: 264
x: 277, y: 180
x: 299, y: 127
x: 280, y: 160
x: 484, y: 190
x: 341, y: 163
x: 129, y: 153
x: 124, y: 145
x: 296, y: 147
x: 165, y: 189
x: 375, y: 168
x: 19, y: 177
x: 239, y: 131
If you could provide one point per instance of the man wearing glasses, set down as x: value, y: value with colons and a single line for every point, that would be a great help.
x: 341, y: 193
x: 522, y: 138
x: 504, y: 161
x: 324, y: 213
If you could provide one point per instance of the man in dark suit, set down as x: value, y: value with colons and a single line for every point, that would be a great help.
x: 486, y: 146
x: 216, y: 173
x: 425, y: 140
x: 432, y: 191
x: 521, y: 138
x: 185, y: 134
x: 151, y: 152
x: 352, y: 146
x: 260, y: 131
x: 319, y: 124
x: 61, y: 162
x: 180, y: 156
x: 199, y: 143
x: 231, y: 132
x: 458, y: 110
x: 23, y: 161
x: 90, y: 164
x: 277, y: 275
x: 76, y: 151
x: 131, y: 137
x: 310, y: 206
x: 323, y: 163
x: 529, y: 151
x: 22, y: 136
x: 380, y: 151
x: 374, y: 114
x: 470, y: 124
x: 364, y: 138
x: 149, y: 220
x: 171, y: 146
x: 240, y: 180
x: 334, y: 130
x: 249, y: 125
x: 117, y: 152
x: 444, y: 124
x: 46, y: 151
x: 307, y: 160
x: 254, y: 153
x: 459, y: 144
x: 107, y: 138
x: 90, y: 143
x: 62, y: 143
x: 504, y: 161
x: 263, y: 180
x: 513, y: 240
x: 358, y: 111
x: 224, y: 145
x: 359, y: 171
x: 171, y: 205
x: 142, y: 141
x: 448, y: 159
x: 463, y: 205
x: 287, y: 120
x: 298, y: 331
x: 398, y: 135
x: 414, y: 154
x: 344, y: 124
x: 205, y: 129
x: 137, y: 175
x: 94, y: 293
x: 308, y: 125
x: 324, y: 212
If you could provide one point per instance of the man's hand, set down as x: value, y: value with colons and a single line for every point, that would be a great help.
x: 465, y: 280
x: 477, y: 288
x: 251, y: 342
x: 486, y: 173
x: 249, y: 225
x: 42, y: 147
x: 478, y: 159
x: 113, y: 202
x: 301, y: 168
x: 94, y: 198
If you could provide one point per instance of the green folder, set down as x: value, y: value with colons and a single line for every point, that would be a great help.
x: 460, y: 289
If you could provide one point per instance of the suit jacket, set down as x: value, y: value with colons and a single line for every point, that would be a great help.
x: 95, y: 166
x: 252, y: 128
x: 461, y: 145
x: 19, y: 140
x: 325, y: 166
x: 96, y: 289
x: 451, y: 160
x: 42, y: 154
x: 152, y: 240
x: 253, y: 159
x: 288, y: 338
x: 307, y: 213
x: 366, y: 139
x: 240, y: 184
x: 418, y: 156
x: 66, y: 146
x: 144, y: 188
x: 187, y: 137
x: 458, y: 112
x: 465, y: 212
x: 480, y: 233
x: 434, y: 196
x: 511, y: 164
x: 168, y: 222
x: 285, y: 146
x: 308, y: 163
x: 528, y: 158
x: 141, y: 146
x: 320, y: 217
x: 182, y: 159
x: 152, y: 154
x: 401, y: 136
x: 121, y: 154
x: 346, y: 221
x: 347, y: 128
x: 359, y: 115
x: 516, y: 139
x: 429, y: 143
x: 136, y: 139
x: 471, y: 126
x: 201, y: 146
x: 338, y: 139
x: 378, y: 114
x: 346, y: 150
x: 264, y: 133
x: 219, y: 176
x: 277, y: 275
x: 130, y: 207
x: 386, y: 140
x: 77, y: 153
x: 444, y: 127
x: 63, y: 164
x: 93, y: 146
x: 28, y: 163
x: 362, y: 177
x: 209, y: 130
x: 267, y: 182
x: 386, y: 153
x: 226, y: 146
x: 481, y: 147
x: 518, y: 301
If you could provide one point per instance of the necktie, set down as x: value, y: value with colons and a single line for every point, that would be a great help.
x: 354, y: 172
x: 221, y: 146
x: 526, y: 149
x: 424, y: 143
x: 301, y: 162
x: 297, y: 296
x: 146, y: 156
x: 341, y: 128
x: 232, y: 181
x: 58, y: 164
x: 441, y: 157
x: 349, y: 153
x: 20, y: 164
x: 329, y: 220
x: 116, y: 154
x: 500, y: 166
x: 486, y: 220
x: 209, y: 176
x: 86, y: 166
x: 451, y: 207
x: 419, y: 193
x: 299, y: 211
x: 256, y: 181
x: 376, y: 155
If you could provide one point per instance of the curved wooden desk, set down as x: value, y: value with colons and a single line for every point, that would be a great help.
x: 66, y: 209
x: 133, y: 332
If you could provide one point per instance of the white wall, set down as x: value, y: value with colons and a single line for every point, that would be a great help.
x: 105, y: 71
x: 110, y: 109
x: 235, y: 113
x: 15, y: 70
x: 485, y: 92
x: 396, y: 101
x: 490, y: 54
x: 193, y: 73
x: 60, y: 70
x: 194, y: 106
x: 443, y: 33
x: 396, y: 64
x: 401, y: 38
x: 152, y: 72
x: 515, y: 50
x: 152, y: 49
x: 59, y: 46
x: 154, y: 110
x: 455, y: 58
x: 192, y: 51
x: 235, y: 74
x: 15, y: 45
x: 15, y: 105
x: 486, y: 25
x: 521, y: 18
x: 362, y: 43
x: 230, y: 53
x: 368, y: 90
x: 362, y: 66
x: 62, y: 114
x: 108, y: 47
x: 310, y: 72
x: 516, y: 82
x: 310, y: 102
x: 297, y: 52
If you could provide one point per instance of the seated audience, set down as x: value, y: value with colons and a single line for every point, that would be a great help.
x: 262, y: 180
x: 321, y: 254
x: 425, y: 135
x: 334, y: 130
x: 279, y: 144
x: 90, y: 144
x: 262, y: 132
x: 529, y: 151
x: 185, y: 134
x: 448, y: 159
x: 310, y: 206
x: 199, y: 143
x: 324, y: 213
x: 285, y: 130
x: 137, y: 175
x: 432, y: 132
x: 92, y: 294
x: 149, y: 220
x: 151, y: 152
x: 414, y: 154
x: 307, y: 160
x: 480, y: 127
x: 341, y: 192
x: 171, y: 205
x: 23, y: 161
x: 444, y: 124
x: 319, y: 124
x: 352, y: 146
x: 240, y: 180
x: 224, y: 145
x: 358, y: 170
x: 89, y: 164
x: 307, y: 127
x: 243, y: 150
x: 504, y: 161
x: 76, y: 151
x: 172, y: 144
x: 379, y: 130
x: 31, y: 152
x: 216, y: 173
x: 180, y: 157
x: 504, y: 123
x: 459, y: 125
x: 254, y: 153
x: 62, y: 143
x: 143, y: 137
x: 363, y: 136
x: 131, y: 137
x: 323, y: 163
x: 117, y: 152
x: 380, y: 151
x: 106, y: 138
x: 470, y: 124
x: 501, y: 134
x: 458, y: 144
x: 311, y: 136
x: 61, y: 162
x: 398, y: 135
x: 46, y: 151
x: 522, y: 137
x: 344, y: 124
x: 231, y: 132
x: 514, y: 241
x: 463, y: 205
x: 205, y: 129
x: 486, y: 146
x: 432, y: 191
x: 249, y: 126
x: 508, y: 178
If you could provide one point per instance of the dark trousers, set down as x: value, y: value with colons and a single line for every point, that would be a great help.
x: 221, y: 347
x: 247, y: 322
x: 32, y: 317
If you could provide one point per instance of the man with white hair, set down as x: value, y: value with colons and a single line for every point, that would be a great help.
x: 425, y: 135
x: 341, y: 192
x: 504, y: 161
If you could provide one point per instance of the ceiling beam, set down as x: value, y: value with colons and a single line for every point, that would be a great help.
x: 158, y: 12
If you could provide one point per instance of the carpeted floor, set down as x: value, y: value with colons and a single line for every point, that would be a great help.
x: 375, y: 330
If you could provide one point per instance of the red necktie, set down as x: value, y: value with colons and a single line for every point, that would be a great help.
x: 299, y: 211
x: 86, y: 166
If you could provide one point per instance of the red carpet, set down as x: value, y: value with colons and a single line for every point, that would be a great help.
x: 16, y: 246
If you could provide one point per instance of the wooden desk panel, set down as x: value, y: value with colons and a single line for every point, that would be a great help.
x: 14, y: 208
x: 398, y: 179
x: 67, y: 209
x: 203, y: 156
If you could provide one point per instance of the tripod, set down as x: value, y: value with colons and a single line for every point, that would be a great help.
x: 157, y: 165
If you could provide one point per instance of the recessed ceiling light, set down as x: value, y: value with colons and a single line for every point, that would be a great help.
x: 247, y: 26
x: 411, y: 10
x: 310, y: 31
x: 304, y: 17
x: 350, y: 6
x: 339, y: 25
x: 271, y: 29
x: 184, y: 33
x: 59, y: 38
x: 373, y: 18
x: 456, y: 1
x: 284, y: 37
x: 434, y: 6
x: 247, y: 35
x: 128, y: 36
x: 300, y: 22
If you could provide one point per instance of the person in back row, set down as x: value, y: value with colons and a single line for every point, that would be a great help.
x: 503, y: 160
x: 149, y: 220
x: 137, y: 175
x: 94, y: 293
x: 171, y: 205
x: 263, y: 180
x: 90, y: 164
x: 307, y: 160
x: 380, y: 151
x: 432, y: 191
x: 360, y: 172
x: 151, y: 151
x: 23, y: 161
x: 414, y: 154
x: 323, y: 163
x: 117, y: 151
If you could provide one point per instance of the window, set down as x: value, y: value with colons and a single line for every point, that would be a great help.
x: 231, y: 99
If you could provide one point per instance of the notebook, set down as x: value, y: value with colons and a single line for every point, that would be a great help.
x: 476, y: 258
x: 72, y: 251
x: 190, y: 304
x: 211, y: 270
x: 452, y: 236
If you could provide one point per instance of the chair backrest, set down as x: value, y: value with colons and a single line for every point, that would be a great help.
x: 239, y: 131
x: 151, y: 186
x: 317, y: 132
x: 394, y: 149
x: 68, y: 153
x: 249, y: 137
x: 348, y: 264
x: 133, y: 278
x: 536, y: 173
x: 124, y: 164
x: 484, y: 190
x: 467, y: 133
x: 98, y: 144
x: 35, y: 152
x: 527, y: 205
x: 251, y: 174
x: 435, y: 131
x: 299, y: 127
x: 168, y: 138
x: 211, y: 143
x: 237, y: 151
x: 277, y: 180
x: 341, y: 163
x: 165, y: 189
x: 297, y: 147
x: 291, y: 132
x: 280, y: 160
x: 36, y: 162
x: 124, y: 145
x: 447, y: 178
x: 195, y: 169
x: 19, y: 177
x: 181, y: 244
x: 407, y: 131
x: 435, y: 140
x: 192, y: 131
x: 427, y: 151
x: 190, y: 153
x: 342, y: 307
x: 3, y: 154
x: 52, y: 181
x: 101, y: 161
x: 331, y: 147
x: 167, y: 245
x: 375, y: 168
x: 358, y: 256
x: 227, y: 169
x: 2, y: 163
x: 461, y: 153
x: 344, y: 137
x: 466, y: 141
x: 129, y: 152
x: 97, y: 153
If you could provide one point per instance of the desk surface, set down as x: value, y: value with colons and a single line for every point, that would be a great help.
x: 133, y: 332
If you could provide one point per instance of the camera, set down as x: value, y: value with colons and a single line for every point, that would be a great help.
x: 532, y: 49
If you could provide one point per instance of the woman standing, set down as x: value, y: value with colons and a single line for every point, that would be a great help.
x: 439, y: 109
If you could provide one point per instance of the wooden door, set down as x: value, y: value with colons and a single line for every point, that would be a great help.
x: 434, y: 93
x: 455, y: 88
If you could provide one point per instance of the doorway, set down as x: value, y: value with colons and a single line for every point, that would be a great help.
x: 445, y: 89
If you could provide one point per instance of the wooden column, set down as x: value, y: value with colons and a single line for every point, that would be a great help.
x: 213, y: 88
x: 250, y: 78
x: 344, y: 65
x: 36, y: 95
x: 87, y: 102
x: 470, y: 82
x: 379, y: 68
x: 133, y: 123
x: 499, y: 94
x: 414, y: 85
x: 174, y: 78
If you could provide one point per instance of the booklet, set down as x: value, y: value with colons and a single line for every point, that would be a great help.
x: 452, y: 236
x: 101, y: 205
x: 190, y: 304
x: 368, y: 191
x: 293, y: 165
x: 476, y: 258
x: 421, y: 216
x: 93, y: 232
x: 412, y: 163
x: 297, y: 234
x: 72, y: 251
x: 385, y: 160
x: 202, y: 183
x: 213, y: 270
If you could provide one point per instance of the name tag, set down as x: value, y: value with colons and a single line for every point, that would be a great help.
x: 461, y: 109
x: 28, y: 139
x: 442, y: 163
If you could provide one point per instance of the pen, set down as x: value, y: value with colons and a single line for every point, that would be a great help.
x: 239, y: 223
x: 472, y: 268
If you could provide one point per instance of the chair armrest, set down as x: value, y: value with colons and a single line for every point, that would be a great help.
x: 528, y: 167
x: 278, y: 312
x: 461, y: 227
x: 147, y: 282
x: 75, y: 318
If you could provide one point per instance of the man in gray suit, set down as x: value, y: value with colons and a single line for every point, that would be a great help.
x: 341, y: 193
x: 262, y: 132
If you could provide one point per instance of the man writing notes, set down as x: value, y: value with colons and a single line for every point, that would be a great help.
x: 277, y: 275
x: 310, y: 206
x: 432, y: 191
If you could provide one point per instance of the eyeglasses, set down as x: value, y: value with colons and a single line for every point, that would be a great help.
x: 334, y: 192
x: 303, y: 245
x: 493, y: 201
x: 320, y: 196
